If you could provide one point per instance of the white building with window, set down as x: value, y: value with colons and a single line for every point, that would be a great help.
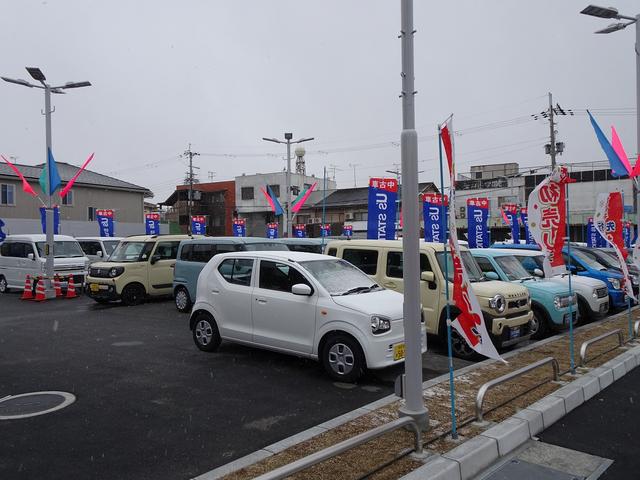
x: 92, y: 191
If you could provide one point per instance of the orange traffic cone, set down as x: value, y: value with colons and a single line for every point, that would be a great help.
x: 56, y: 286
x: 71, y: 288
x: 27, y: 293
x: 40, y: 295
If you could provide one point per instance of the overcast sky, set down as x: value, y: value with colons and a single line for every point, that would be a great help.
x: 223, y: 74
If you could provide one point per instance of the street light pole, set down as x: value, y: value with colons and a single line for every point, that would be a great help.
x: 287, y: 210
x: 37, y: 75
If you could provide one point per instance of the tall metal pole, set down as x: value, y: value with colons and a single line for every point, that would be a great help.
x: 637, y: 50
x: 287, y: 222
x: 49, y: 262
x: 414, y: 404
x: 552, y: 150
x: 190, y: 200
x: 324, y: 203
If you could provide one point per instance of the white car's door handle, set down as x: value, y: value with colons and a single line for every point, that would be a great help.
x: 261, y: 300
x: 215, y: 291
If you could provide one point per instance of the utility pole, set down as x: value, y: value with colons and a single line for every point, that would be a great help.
x: 354, y: 165
x: 552, y: 128
x: 190, y: 154
x: 333, y: 168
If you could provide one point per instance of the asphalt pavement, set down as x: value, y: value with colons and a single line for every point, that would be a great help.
x: 149, y: 404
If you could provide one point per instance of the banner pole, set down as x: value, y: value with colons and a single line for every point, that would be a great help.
x: 568, y: 239
x: 324, y: 204
x: 443, y: 222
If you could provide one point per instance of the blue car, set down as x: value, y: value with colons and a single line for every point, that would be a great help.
x: 193, y: 255
x: 584, y: 263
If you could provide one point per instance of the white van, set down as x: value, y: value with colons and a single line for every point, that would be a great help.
x: 98, y: 248
x: 24, y: 254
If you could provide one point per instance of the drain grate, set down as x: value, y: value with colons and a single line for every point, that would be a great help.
x: 32, y: 404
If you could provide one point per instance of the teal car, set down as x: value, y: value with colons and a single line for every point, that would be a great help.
x: 551, y: 303
x: 193, y: 255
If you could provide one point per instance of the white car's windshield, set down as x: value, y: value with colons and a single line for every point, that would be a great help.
x: 339, y: 277
x: 470, y: 265
x: 512, y: 268
x: 62, y: 249
x: 131, y: 252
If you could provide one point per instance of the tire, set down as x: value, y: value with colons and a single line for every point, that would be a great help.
x: 3, y: 285
x: 460, y: 348
x: 182, y: 299
x: 342, y: 358
x: 584, y: 311
x: 206, y: 335
x: 133, y: 294
x: 539, y: 325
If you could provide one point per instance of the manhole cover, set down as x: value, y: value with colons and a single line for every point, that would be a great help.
x: 31, y: 404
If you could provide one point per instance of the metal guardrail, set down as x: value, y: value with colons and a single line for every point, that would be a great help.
x: 585, y: 345
x: 334, y: 450
x: 509, y: 376
x: 636, y: 329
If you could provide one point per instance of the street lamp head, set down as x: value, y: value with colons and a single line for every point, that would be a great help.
x: 57, y: 90
x: 76, y: 84
x: 288, y: 136
x: 274, y: 140
x: 614, y: 27
x: 304, y: 140
x: 18, y: 82
x: 36, y: 73
x: 601, y: 12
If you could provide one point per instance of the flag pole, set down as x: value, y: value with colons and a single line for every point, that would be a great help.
x: 443, y: 221
x: 324, y: 203
x: 568, y: 239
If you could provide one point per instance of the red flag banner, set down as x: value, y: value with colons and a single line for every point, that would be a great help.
x: 548, y: 218
x: 608, y: 221
x: 26, y: 188
x: 68, y: 186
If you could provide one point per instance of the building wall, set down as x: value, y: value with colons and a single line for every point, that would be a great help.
x: 127, y: 205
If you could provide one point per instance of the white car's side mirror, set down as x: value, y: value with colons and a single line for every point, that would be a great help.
x: 301, y: 289
x: 99, y: 253
x: 30, y: 256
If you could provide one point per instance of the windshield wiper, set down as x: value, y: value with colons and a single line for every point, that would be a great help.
x: 360, y: 289
x: 524, y: 279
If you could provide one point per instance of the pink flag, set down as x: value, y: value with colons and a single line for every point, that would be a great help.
x: 68, y: 186
x: 618, y: 148
x: 26, y: 188
x: 296, y: 208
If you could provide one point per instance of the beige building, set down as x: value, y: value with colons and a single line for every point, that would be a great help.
x: 91, y: 191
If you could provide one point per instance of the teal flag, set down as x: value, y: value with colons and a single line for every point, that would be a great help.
x: 50, y: 169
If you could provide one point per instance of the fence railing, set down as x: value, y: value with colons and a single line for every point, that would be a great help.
x: 588, y: 343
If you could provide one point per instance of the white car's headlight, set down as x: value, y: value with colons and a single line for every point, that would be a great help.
x: 380, y: 324
x: 615, y: 283
x: 498, y: 303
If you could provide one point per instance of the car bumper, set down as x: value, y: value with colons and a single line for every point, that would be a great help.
x: 102, y: 289
x: 509, y: 331
x: 560, y: 321
x: 617, y: 299
x: 599, y: 308
x: 381, y: 351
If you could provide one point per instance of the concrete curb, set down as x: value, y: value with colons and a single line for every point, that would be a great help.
x: 477, y: 454
x: 534, y: 419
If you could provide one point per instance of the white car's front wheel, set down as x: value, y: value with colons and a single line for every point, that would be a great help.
x: 342, y: 358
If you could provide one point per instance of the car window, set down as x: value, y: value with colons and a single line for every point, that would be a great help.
x: 279, y: 276
x: 226, y: 248
x: 365, y: 260
x: 90, y: 248
x: 166, y: 250
x: 5, y: 249
x: 333, y: 252
x: 528, y: 263
x: 309, y: 248
x: 185, y: 252
x: 131, y: 252
x: 237, y: 270
x: 485, y: 265
x: 16, y: 249
x: 110, y: 245
x: 62, y: 249
x: 265, y: 246
x: 203, y: 252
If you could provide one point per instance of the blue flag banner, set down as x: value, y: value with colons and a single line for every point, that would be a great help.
x: 524, y: 218
x: 510, y: 211
x: 477, y: 222
x: 325, y: 230
x: 626, y: 234
x: 300, y: 231
x: 239, y: 227
x: 2, y: 234
x: 381, y: 218
x: 50, y: 169
x: 152, y: 223
x: 618, y: 169
x: 198, y: 225
x: 347, y: 231
x: 594, y: 239
x: 435, y: 211
x: 56, y: 220
x: 105, y: 222
x: 272, y: 230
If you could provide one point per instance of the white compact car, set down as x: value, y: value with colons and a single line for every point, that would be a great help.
x: 98, y: 249
x: 304, y: 304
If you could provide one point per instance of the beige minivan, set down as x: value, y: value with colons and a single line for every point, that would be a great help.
x: 506, y: 307
x: 139, y: 267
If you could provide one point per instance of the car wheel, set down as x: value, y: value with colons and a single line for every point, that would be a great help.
x: 342, y: 358
x: 538, y: 324
x: 205, y: 333
x: 182, y: 299
x: 460, y: 348
x: 584, y: 311
x: 133, y: 294
x: 3, y: 285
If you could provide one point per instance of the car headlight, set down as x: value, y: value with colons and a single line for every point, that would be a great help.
x: 594, y: 294
x: 634, y: 280
x: 498, y: 303
x: 380, y: 324
x: 116, y: 271
x: 563, y: 301
x: 615, y: 283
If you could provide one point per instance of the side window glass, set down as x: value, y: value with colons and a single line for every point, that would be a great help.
x: 225, y: 248
x: 167, y: 250
x: 333, y: 252
x: 365, y: 260
x: 394, y: 264
x: 279, y: 276
x: 203, y: 252
x: 425, y: 265
x: 237, y: 271
x: 5, y: 249
x: 90, y: 248
x: 28, y: 248
x: 185, y: 253
x: 485, y: 265
x: 226, y: 269
x: 528, y: 263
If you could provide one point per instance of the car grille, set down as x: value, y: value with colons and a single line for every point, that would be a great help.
x: 68, y: 268
x: 99, y: 272
x: 602, y: 292
x: 518, y: 303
